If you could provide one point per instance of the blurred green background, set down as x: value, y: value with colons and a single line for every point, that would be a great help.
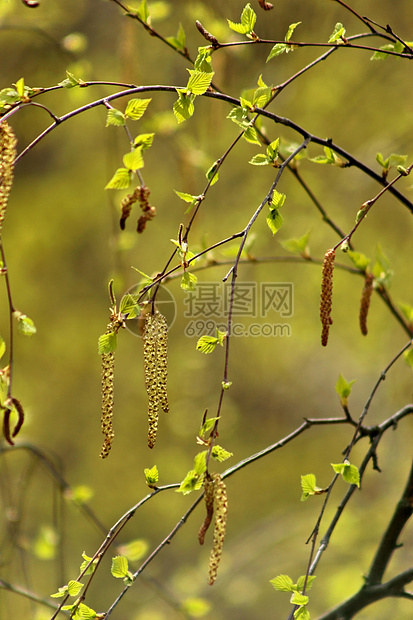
x: 63, y: 244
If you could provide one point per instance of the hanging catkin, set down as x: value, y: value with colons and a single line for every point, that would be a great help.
x: 155, y: 354
x: 7, y: 156
x: 221, y: 510
x: 365, y: 302
x: 209, y: 497
x: 327, y: 294
x: 108, y: 367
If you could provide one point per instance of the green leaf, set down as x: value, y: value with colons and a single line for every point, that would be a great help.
x: 385, y: 163
x: 302, y: 613
x: 20, y: 87
x: 136, y: 108
x: 296, y: 245
x: 151, y: 475
x: 70, y: 81
x: 134, y: 159
x: 251, y: 136
x: 338, y: 32
x: 221, y: 337
x: 184, y: 107
x: 309, y: 487
x: 407, y: 310
x: 86, y: 560
x: 134, y: 550
x: 277, y: 50
x: 83, y: 612
x: 180, y: 40
x: 129, y: 307
x: 283, y: 583
x: 189, y: 281
x: 290, y: 30
x: 349, y: 472
x: 212, y: 174
x: 359, y: 260
x: 143, y: 12
x: 203, y: 60
x: 198, y: 82
x: 301, y: 581
x: 115, y: 117
x: 74, y: 587
x: 2, y: 347
x: 343, y: 389
x: 191, y: 482
x: 381, y: 270
x: 120, y: 567
x: 206, y: 344
x: 260, y: 160
x: 25, y: 325
x: 207, y: 426
x: 277, y: 200
x: 248, y: 19
x: 186, y: 197
x: 60, y: 593
x: 408, y: 356
x: 272, y: 149
x: 397, y: 160
x: 329, y: 157
x: 261, y: 96
x: 144, y: 140
x: 298, y: 599
x: 220, y: 454
x: 120, y: 180
x: 107, y: 343
x: 200, y: 462
x: 240, y: 117
x: 274, y: 220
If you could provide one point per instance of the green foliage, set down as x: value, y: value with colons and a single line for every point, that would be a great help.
x: 207, y: 344
x: 179, y: 41
x: 151, y: 476
x: 120, y: 569
x: 337, y: 34
x: 220, y: 454
x: 247, y: 23
x: 120, y: 180
x: 25, y: 325
x: 381, y: 269
x: 115, y: 117
x: 274, y: 217
x: 72, y: 589
x: 343, y: 389
x: 107, y: 343
x: 349, y: 472
x: 280, y: 48
x: 80, y: 611
x: 309, y: 487
x: 408, y: 356
x: 329, y: 157
x: 270, y: 157
x: 136, y: 108
x: 188, y: 281
x: 358, y: 259
x: 134, y: 550
x: 284, y: 583
x: 88, y: 561
x: 396, y: 47
x: 297, y: 245
x: 2, y: 347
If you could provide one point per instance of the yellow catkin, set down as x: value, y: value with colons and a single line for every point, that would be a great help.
x: 209, y: 497
x: 221, y: 511
x: 108, y: 366
x: 327, y: 295
x: 155, y: 354
x: 365, y: 302
x: 7, y: 156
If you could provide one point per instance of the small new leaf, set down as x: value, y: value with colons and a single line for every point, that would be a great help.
x: 220, y: 454
x: 134, y: 159
x: 297, y: 245
x: 359, y: 260
x: 120, y: 180
x: 274, y: 220
x: 189, y: 281
x: 115, y: 117
x: 309, y: 487
x: 302, y: 613
x: 349, y: 472
x: 120, y: 567
x: 144, y: 140
x: 74, y: 587
x: 25, y: 325
x: 408, y: 356
x: 298, y: 599
x: 247, y: 23
x: 198, y: 82
x: 2, y: 347
x: 338, y: 33
x: 290, y: 30
x: 206, y: 344
x: 343, y: 389
x: 283, y: 583
x: 301, y: 581
x: 136, y: 108
x: 70, y: 81
x: 184, y: 107
x: 107, y: 343
x: 151, y: 476
x: 212, y: 174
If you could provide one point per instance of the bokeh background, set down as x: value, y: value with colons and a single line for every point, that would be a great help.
x: 63, y: 244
